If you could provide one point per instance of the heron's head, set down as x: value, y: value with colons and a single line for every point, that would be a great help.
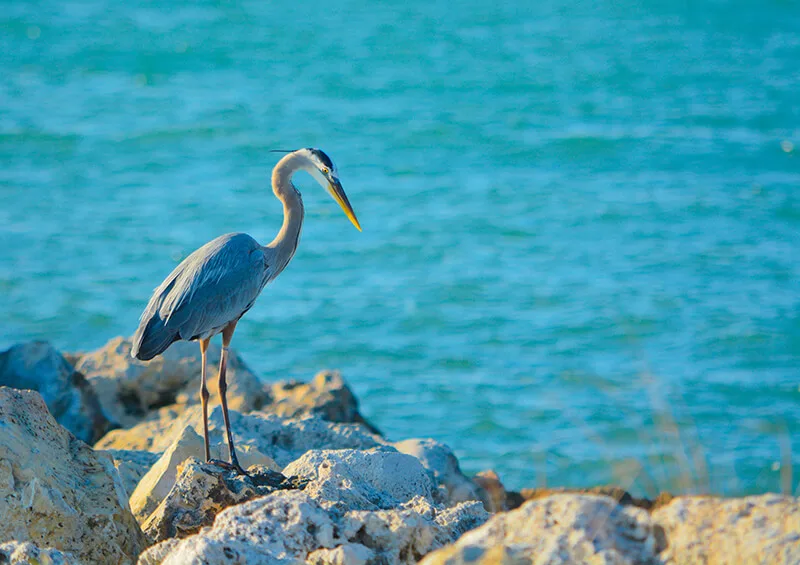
x: 324, y: 172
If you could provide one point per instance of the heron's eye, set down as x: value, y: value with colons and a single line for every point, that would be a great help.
x: 325, y: 171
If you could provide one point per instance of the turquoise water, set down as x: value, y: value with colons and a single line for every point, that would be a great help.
x: 581, y: 220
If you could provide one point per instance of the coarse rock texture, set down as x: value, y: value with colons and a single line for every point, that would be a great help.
x: 345, y: 554
x: 130, y: 390
x: 56, y: 491
x: 751, y: 530
x: 441, y: 463
x: 348, y: 479
x: 281, y: 439
x: 154, y: 486
x: 292, y: 527
x: 202, y: 490
x: 68, y: 395
x: 132, y: 466
x: 373, y: 505
x: 26, y: 553
x: 563, y: 528
x: 326, y: 396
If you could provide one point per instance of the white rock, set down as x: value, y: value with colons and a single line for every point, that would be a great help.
x: 292, y: 527
x: 441, y: 462
x: 281, y: 439
x: 362, y: 480
x: 56, y: 491
x: 26, y: 553
x: 755, y: 529
x: 159, y: 480
x: 130, y: 389
x: 345, y: 554
x: 202, y: 490
x: 562, y: 528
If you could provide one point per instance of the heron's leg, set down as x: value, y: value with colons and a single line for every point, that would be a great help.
x: 204, y: 394
x: 227, y: 334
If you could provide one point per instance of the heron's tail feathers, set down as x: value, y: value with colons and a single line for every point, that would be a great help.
x: 152, y: 338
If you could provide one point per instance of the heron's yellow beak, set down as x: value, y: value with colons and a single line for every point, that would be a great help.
x: 336, y: 190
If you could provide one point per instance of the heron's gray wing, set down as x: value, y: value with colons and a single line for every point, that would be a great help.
x: 213, y: 286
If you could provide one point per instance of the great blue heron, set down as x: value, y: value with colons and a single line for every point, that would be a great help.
x: 214, y: 286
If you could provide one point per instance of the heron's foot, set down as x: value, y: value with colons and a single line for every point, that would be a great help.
x: 229, y: 466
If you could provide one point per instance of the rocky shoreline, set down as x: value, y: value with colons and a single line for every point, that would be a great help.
x: 325, y: 487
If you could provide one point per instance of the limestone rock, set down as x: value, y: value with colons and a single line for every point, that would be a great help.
x: 362, y: 480
x: 69, y: 397
x: 558, y: 529
x: 345, y: 554
x: 751, y: 530
x: 26, y: 553
x: 160, y: 478
x: 56, y: 491
x: 132, y: 466
x: 408, y: 532
x: 129, y: 389
x: 292, y: 527
x: 326, y: 396
x: 443, y: 466
x: 282, y: 440
x: 202, y: 490
x: 373, y: 506
x: 278, y: 528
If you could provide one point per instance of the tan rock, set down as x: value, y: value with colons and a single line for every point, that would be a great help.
x: 292, y: 527
x: 129, y: 389
x: 441, y: 463
x: 281, y: 439
x: 202, y: 490
x: 132, y: 466
x: 26, y: 553
x: 751, y: 530
x: 156, y: 484
x: 492, y: 492
x: 56, y: 491
x: 326, y: 396
x: 68, y: 395
x: 558, y: 529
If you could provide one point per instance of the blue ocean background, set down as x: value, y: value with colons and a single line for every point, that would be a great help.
x: 579, y: 262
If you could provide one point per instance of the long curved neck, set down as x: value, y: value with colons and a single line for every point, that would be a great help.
x: 285, y: 243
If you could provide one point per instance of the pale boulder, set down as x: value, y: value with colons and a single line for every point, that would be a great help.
x: 326, y: 395
x: 279, y: 528
x: 27, y: 553
x: 292, y: 527
x: 156, y: 484
x: 56, y: 491
x: 349, y: 479
x: 345, y: 554
x: 751, y: 530
x: 284, y: 440
x: 68, y: 395
x: 558, y: 529
x: 130, y: 390
x: 202, y: 490
x: 440, y: 461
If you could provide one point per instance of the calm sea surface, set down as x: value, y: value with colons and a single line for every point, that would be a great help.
x: 581, y: 251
